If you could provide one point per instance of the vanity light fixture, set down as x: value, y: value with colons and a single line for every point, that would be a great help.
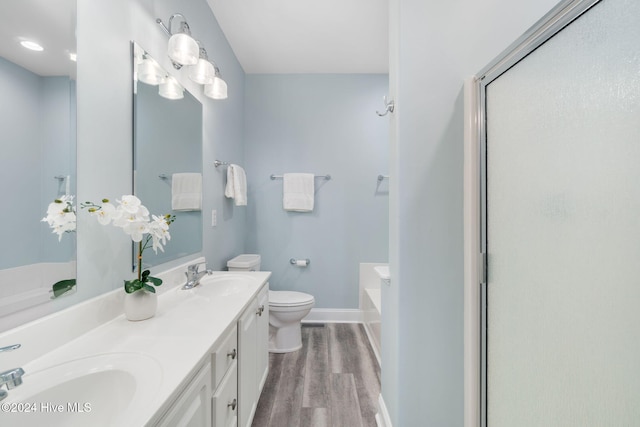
x: 185, y: 50
x: 216, y: 89
x: 31, y: 45
x: 171, y: 89
x: 73, y: 57
x: 149, y: 72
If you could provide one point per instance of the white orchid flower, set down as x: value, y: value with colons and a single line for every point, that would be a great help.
x: 105, y: 214
x: 61, y: 216
x: 159, y: 230
x: 136, y: 229
x: 130, y: 204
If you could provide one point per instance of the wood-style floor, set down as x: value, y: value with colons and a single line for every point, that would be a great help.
x: 333, y: 381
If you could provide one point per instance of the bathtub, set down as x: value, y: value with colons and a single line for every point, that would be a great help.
x: 371, y: 303
x: 29, y: 285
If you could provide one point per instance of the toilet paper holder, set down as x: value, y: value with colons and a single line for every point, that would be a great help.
x: 300, y: 262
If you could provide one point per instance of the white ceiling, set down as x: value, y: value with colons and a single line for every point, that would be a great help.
x: 50, y: 24
x: 304, y: 36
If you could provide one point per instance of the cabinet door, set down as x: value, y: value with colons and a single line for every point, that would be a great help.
x: 262, y: 348
x: 193, y: 407
x: 225, y: 400
x: 247, y: 374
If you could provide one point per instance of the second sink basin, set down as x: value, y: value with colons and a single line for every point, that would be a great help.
x: 98, y: 391
x: 221, y: 284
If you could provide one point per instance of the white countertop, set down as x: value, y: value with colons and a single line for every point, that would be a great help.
x: 179, y: 337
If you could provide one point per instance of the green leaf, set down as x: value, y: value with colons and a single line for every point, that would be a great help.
x: 154, y: 280
x: 130, y: 286
x: 145, y: 274
x: 62, y: 287
x: 148, y: 288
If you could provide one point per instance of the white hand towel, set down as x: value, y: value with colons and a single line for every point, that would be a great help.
x: 186, y: 191
x: 297, y: 192
x: 236, y: 185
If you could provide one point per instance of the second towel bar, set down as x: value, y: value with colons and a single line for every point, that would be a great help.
x: 327, y: 177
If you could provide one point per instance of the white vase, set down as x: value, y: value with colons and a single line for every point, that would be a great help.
x: 140, y: 305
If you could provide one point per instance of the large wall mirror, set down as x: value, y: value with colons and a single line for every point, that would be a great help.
x: 167, y: 154
x: 38, y: 161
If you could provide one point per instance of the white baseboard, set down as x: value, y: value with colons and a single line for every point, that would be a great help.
x: 382, y: 417
x: 333, y: 315
x: 374, y: 347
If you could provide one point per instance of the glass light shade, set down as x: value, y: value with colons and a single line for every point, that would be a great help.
x: 203, y: 72
x: 183, y: 49
x: 171, y: 89
x: 217, y: 89
x: 149, y: 72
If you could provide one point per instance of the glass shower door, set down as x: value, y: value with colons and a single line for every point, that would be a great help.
x: 563, y: 228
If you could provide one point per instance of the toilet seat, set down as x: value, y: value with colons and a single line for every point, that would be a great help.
x: 289, y: 299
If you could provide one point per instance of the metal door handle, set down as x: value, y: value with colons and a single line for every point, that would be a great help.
x: 233, y: 404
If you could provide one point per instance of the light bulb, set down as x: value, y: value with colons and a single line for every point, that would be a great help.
x: 149, y: 72
x: 183, y: 49
x: 171, y: 89
x: 217, y: 89
x: 203, y: 72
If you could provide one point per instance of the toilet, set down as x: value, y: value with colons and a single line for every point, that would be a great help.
x: 286, y: 309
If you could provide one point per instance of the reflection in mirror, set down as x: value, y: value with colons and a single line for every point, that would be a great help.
x: 38, y: 162
x: 167, y: 155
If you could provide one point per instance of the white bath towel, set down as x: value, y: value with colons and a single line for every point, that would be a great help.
x: 236, y: 188
x: 297, y: 192
x: 186, y: 191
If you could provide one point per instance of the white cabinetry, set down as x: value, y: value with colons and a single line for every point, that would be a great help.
x: 211, y: 399
x: 226, y: 389
x: 193, y: 407
x: 253, y: 355
x: 262, y: 354
x: 224, y: 370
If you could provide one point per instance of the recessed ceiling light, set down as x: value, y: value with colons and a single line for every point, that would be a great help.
x: 31, y: 45
x: 73, y: 56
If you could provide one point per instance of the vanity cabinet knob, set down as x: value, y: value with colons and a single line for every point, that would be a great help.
x: 260, y: 310
x: 233, y: 404
x: 232, y: 354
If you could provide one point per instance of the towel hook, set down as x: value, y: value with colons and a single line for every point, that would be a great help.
x: 388, y: 107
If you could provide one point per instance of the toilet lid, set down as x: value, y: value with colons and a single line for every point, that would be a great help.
x: 289, y: 298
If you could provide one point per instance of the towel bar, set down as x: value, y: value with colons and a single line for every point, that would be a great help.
x: 217, y: 163
x: 327, y: 177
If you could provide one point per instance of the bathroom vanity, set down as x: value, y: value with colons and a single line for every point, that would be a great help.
x: 201, y: 361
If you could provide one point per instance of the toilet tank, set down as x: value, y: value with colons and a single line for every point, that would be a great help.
x: 244, y: 262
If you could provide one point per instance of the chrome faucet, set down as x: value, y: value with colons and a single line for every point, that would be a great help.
x: 194, y: 276
x: 11, y: 378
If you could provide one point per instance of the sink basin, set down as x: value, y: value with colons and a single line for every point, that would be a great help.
x: 100, y: 390
x: 227, y: 284
x: 221, y: 284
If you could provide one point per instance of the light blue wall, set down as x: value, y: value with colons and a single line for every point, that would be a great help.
x: 434, y: 46
x: 34, y: 118
x: 19, y: 124
x: 321, y: 124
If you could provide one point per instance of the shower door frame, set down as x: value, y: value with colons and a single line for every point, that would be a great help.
x: 552, y: 23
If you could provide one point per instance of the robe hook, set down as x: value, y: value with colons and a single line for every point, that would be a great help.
x: 389, y: 106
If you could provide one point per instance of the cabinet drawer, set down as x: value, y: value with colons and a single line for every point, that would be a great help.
x: 225, y: 400
x: 224, y: 356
